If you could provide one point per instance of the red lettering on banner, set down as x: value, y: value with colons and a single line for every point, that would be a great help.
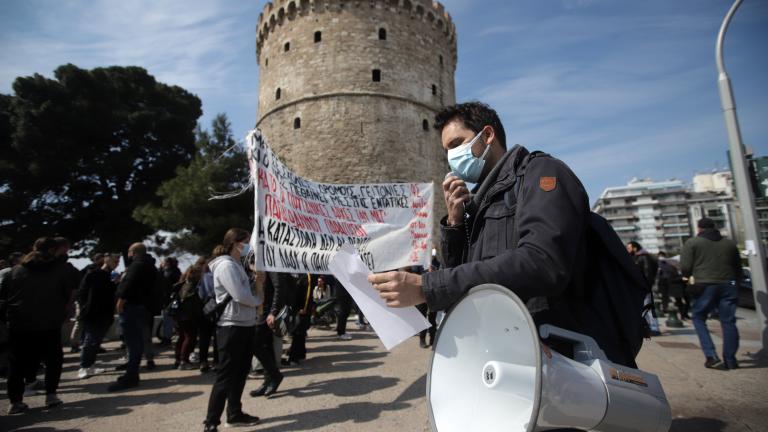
x: 275, y: 210
x: 344, y: 228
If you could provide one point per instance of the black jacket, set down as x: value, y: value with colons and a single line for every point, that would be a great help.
x: 96, y: 296
x: 36, y: 295
x: 528, y: 237
x: 648, y: 266
x: 138, y: 282
x: 279, y: 290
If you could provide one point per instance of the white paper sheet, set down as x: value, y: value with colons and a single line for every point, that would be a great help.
x: 392, y: 325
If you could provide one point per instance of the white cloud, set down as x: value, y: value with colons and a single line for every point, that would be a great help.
x: 188, y: 43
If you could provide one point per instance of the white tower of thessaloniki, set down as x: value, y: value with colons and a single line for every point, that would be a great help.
x: 348, y: 90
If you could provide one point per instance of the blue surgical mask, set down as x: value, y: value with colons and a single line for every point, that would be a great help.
x: 464, y: 164
x: 246, y: 248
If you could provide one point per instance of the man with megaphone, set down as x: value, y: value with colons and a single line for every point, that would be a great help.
x: 523, y: 226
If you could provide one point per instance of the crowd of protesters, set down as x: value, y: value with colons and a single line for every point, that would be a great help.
x: 235, y: 317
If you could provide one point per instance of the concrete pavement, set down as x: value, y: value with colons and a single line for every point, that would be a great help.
x: 358, y: 386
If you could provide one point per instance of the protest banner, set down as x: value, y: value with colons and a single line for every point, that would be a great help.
x: 302, y: 223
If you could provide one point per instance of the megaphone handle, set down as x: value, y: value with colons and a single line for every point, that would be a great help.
x: 584, y: 347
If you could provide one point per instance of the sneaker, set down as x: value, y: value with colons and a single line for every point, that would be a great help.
x: 84, y: 373
x: 272, y: 387
x: 207, y: 427
x: 345, y: 337
x: 186, y: 366
x: 731, y: 364
x: 714, y: 363
x: 52, y: 401
x: 193, y: 357
x: 242, y: 419
x: 123, y: 383
x: 17, y: 408
x: 259, y: 391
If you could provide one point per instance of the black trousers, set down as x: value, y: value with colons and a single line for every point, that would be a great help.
x: 344, y: 304
x: 235, y: 351
x: 207, y: 332
x: 27, y: 349
x: 298, y: 350
x: 264, y: 350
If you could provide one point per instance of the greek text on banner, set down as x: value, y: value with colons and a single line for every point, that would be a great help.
x: 301, y: 223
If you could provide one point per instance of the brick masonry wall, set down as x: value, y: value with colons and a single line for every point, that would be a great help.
x: 352, y: 129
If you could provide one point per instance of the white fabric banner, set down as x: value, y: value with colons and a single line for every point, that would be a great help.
x: 301, y: 223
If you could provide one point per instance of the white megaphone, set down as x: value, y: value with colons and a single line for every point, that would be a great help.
x: 489, y: 372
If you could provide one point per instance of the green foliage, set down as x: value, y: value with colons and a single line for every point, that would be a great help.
x: 80, y: 152
x: 219, y: 166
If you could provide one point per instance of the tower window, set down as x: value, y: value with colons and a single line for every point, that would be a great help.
x: 266, y: 62
x: 318, y: 36
x: 425, y: 124
x: 376, y: 75
x: 287, y: 47
x: 277, y: 94
x: 441, y: 59
x: 297, y: 123
x: 434, y: 89
x: 382, y: 34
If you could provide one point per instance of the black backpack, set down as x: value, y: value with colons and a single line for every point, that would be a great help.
x: 615, y: 289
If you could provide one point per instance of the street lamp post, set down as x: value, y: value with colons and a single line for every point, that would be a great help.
x: 753, y: 243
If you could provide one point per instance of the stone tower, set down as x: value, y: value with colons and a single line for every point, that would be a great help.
x: 348, y: 89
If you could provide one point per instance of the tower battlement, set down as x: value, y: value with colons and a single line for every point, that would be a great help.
x: 431, y: 13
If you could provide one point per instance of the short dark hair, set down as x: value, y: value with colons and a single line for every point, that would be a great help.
x: 706, y: 223
x: 635, y: 245
x: 475, y: 115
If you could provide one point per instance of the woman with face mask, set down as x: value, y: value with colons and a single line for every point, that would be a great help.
x: 235, y: 331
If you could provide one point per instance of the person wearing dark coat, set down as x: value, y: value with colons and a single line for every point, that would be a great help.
x: 278, y: 291
x: 96, y: 297
x: 134, y: 297
x: 714, y: 264
x: 35, y: 298
x: 303, y: 305
x: 528, y: 235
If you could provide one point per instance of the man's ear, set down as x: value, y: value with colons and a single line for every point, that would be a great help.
x: 489, y: 134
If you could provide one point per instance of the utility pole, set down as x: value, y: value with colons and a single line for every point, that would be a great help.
x: 753, y: 243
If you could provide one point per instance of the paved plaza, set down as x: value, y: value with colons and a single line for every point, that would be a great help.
x: 358, y: 386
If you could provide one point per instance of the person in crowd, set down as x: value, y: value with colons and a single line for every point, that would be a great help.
x: 526, y: 235
x: 76, y: 336
x: 671, y: 285
x: 35, y: 298
x: 188, y: 314
x: 235, y: 330
x: 714, y: 263
x: 304, y: 304
x: 134, y: 295
x: 207, y: 329
x: 344, y: 306
x: 279, y: 289
x: 169, y: 269
x: 14, y: 259
x: 321, y: 291
x: 96, y: 297
x: 649, y: 267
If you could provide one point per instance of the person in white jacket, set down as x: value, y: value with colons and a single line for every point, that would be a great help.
x: 235, y: 331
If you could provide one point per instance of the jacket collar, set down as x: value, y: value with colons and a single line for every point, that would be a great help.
x: 501, y: 176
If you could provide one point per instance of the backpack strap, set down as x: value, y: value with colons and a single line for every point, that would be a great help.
x: 512, y: 195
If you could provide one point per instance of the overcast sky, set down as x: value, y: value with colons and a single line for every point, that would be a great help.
x: 616, y: 89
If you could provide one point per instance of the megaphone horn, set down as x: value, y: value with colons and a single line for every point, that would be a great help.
x: 490, y: 372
